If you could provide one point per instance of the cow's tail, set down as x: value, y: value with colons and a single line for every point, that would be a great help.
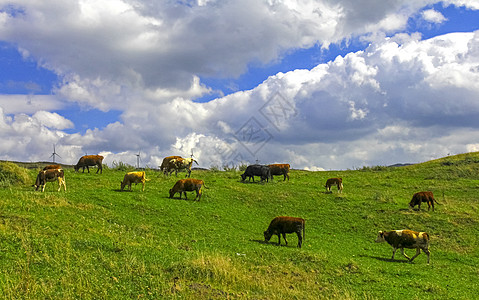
x: 204, y: 185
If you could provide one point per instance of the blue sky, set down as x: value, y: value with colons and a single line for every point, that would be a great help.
x: 165, y: 78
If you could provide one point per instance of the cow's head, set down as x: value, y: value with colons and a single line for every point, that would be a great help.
x: 243, y: 176
x: 380, y: 237
x: 172, y: 193
x: 76, y: 167
x: 122, y: 185
x: 267, y: 235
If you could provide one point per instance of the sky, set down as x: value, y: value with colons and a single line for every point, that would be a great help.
x: 321, y: 85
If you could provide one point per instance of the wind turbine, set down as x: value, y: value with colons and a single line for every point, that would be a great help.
x: 138, y: 159
x: 54, y: 153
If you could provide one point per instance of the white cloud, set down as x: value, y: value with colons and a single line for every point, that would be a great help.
x: 433, y: 16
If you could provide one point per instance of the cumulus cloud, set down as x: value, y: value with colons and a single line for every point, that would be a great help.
x: 109, y: 52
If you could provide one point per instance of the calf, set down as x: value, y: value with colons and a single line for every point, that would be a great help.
x: 133, y: 177
x: 420, y: 197
x: 256, y: 170
x: 334, y: 181
x: 279, y: 169
x: 188, y: 185
x: 406, y: 239
x: 283, y: 225
x: 50, y: 175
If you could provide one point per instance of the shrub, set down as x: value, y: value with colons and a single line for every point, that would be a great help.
x: 12, y: 174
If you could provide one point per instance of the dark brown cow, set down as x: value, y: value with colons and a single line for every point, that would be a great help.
x: 188, y: 185
x: 406, y: 239
x: 283, y: 225
x: 420, y: 197
x: 166, y: 167
x: 52, y: 167
x: 50, y: 175
x: 90, y: 160
x: 279, y: 169
x: 334, y: 181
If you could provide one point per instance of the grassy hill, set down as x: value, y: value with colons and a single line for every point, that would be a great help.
x: 95, y: 242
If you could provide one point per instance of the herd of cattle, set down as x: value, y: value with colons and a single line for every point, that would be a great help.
x: 280, y: 226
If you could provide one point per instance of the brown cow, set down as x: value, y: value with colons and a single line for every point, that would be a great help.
x: 283, y: 225
x: 50, y: 175
x: 188, y: 185
x: 90, y: 160
x: 165, y: 164
x: 406, y: 239
x: 334, y: 181
x: 279, y: 169
x: 420, y: 197
x: 133, y: 177
x: 52, y: 167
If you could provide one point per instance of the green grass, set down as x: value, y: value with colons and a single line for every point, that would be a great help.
x: 95, y: 242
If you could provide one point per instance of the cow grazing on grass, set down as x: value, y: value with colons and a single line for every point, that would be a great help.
x: 88, y: 161
x: 133, y: 177
x: 334, y: 181
x: 279, y: 169
x: 52, y: 167
x: 420, y: 197
x: 256, y: 170
x: 406, y: 239
x: 188, y: 185
x: 165, y: 164
x: 178, y: 164
x: 50, y: 175
x: 282, y: 225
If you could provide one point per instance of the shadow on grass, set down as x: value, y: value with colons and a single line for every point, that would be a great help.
x: 263, y: 242
x: 386, y: 259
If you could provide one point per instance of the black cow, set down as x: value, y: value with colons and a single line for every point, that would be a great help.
x: 257, y: 170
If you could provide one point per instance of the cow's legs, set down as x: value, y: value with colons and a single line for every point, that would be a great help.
x: 143, y: 186
x: 418, y: 251
x: 403, y: 253
x: 300, y: 238
x: 284, y: 237
x: 394, y: 252
x: 279, y: 239
x: 428, y: 253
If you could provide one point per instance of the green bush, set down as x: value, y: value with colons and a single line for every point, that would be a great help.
x: 11, y: 174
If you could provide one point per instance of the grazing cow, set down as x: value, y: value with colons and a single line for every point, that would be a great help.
x: 283, y: 225
x: 334, y: 181
x: 166, y: 163
x: 420, y: 197
x: 90, y: 160
x: 178, y: 164
x: 50, y: 175
x: 279, y: 169
x: 406, y: 239
x: 133, y: 177
x: 52, y: 167
x: 187, y: 185
x: 256, y: 170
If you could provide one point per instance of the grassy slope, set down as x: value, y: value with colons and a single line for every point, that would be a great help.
x: 96, y: 242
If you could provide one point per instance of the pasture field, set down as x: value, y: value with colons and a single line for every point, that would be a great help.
x: 95, y: 242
